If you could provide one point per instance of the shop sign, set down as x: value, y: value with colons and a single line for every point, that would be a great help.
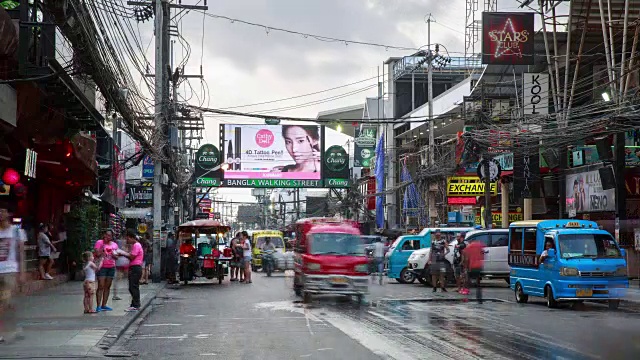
x: 336, y: 183
x: 585, y: 193
x: 365, y: 146
x: 507, y: 38
x: 206, y: 181
x: 336, y: 158
x: 207, y: 157
x: 535, y: 93
x: 496, y: 217
x: 467, y: 200
x: 147, y: 167
x: 140, y: 196
x: 468, y: 186
x: 30, y: 163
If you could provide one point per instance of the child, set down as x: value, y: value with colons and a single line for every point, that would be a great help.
x: 89, y: 285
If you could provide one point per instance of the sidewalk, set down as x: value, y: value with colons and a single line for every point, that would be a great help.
x: 54, y: 325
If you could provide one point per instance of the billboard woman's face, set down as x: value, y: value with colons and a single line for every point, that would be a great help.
x: 299, y: 144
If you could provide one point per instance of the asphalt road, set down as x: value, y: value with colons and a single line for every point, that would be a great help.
x: 264, y: 320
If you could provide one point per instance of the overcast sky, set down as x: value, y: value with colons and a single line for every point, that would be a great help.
x: 246, y: 65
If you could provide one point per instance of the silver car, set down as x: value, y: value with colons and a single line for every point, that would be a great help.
x: 496, y: 242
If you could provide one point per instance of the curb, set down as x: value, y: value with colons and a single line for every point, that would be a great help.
x: 116, y: 331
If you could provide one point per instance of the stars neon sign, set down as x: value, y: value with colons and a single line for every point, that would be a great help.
x: 509, y: 41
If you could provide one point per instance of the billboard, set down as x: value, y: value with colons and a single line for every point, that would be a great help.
x: 585, y: 193
x: 272, y: 152
x: 507, y: 38
x: 365, y: 146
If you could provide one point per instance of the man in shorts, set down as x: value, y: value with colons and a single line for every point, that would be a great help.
x: 12, y: 267
x: 458, y: 270
x: 438, y: 268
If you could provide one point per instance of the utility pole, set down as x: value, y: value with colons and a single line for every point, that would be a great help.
x: 432, y: 148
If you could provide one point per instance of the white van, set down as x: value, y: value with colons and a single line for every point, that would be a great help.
x: 496, y: 242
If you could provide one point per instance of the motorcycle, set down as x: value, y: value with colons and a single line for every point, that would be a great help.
x: 268, y: 261
x: 187, y: 268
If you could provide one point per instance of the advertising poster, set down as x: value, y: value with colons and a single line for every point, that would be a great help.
x: 507, y: 38
x: 585, y: 193
x: 272, y: 152
x: 365, y: 146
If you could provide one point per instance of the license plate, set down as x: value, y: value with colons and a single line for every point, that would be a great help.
x: 584, y: 292
x: 339, y: 280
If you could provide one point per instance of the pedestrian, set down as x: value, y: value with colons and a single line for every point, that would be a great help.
x: 171, y: 259
x: 89, y: 285
x: 457, y: 262
x: 246, y: 257
x: 474, y: 261
x: 238, y: 254
x: 136, y: 256
x: 45, y: 247
x: 378, y: 258
x: 147, y: 246
x: 122, y: 267
x: 12, y: 269
x: 438, y: 268
x: 106, y: 249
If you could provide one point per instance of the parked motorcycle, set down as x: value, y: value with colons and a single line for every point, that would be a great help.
x: 187, y: 268
x: 268, y: 261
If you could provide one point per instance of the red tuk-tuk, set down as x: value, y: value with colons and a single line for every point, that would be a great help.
x: 200, y: 254
x: 329, y: 259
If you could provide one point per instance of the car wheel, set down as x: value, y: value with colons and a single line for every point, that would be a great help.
x: 614, y: 304
x: 407, y: 276
x: 521, y: 297
x: 551, y: 301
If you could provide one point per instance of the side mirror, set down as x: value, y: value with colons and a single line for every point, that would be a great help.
x: 552, y: 253
x: 623, y: 252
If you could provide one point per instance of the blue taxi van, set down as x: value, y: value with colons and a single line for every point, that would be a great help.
x: 399, y: 252
x: 583, y: 262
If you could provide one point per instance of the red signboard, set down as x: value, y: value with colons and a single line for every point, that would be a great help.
x: 467, y: 200
x: 507, y: 38
x: 371, y: 189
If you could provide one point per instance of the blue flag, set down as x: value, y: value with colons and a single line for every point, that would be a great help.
x: 379, y: 173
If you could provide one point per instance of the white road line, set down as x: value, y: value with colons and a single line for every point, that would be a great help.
x: 209, y: 354
x: 154, y: 325
x: 153, y: 337
x: 325, y: 349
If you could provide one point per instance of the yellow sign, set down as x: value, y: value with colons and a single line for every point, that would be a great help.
x: 468, y: 186
x: 142, y: 228
x: 496, y: 217
x: 272, y: 233
x: 573, y: 224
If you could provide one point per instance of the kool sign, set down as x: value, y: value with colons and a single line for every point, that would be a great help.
x: 468, y: 186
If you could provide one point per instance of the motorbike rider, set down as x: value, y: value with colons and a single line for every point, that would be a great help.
x: 268, y: 245
x: 187, y: 247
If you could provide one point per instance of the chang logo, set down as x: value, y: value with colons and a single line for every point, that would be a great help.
x: 207, y: 157
x: 336, y: 158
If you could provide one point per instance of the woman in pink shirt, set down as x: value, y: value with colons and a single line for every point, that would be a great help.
x: 106, y: 249
x: 135, y: 269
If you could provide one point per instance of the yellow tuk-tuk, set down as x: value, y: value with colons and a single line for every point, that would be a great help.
x: 258, y: 239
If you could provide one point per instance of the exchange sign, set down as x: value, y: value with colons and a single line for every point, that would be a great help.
x: 468, y: 186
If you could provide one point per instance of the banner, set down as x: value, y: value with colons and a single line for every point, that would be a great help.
x: 507, y: 38
x: 585, y: 193
x: 287, y: 152
x: 365, y: 146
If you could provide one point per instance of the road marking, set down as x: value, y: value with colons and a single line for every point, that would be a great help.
x: 196, y: 315
x: 325, y: 349
x: 153, y: 325
x: 385, y: 318
x: 153, y: 337
x: 209, y: 354
x: 202, y: 336
x: 305, y: 356
x: 306, y: 317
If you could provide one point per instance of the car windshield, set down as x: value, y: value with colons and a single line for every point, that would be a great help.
x: 276, y: 241
x: 588, y: 246
x: 368, y: 240
x: 336, y: 244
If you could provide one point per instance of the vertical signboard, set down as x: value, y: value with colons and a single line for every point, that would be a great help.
x: 535, y: 93
x: 526, y: 171
x: 507, y: 38
x: 147, y: 167
x: 207, y: 160
x: 365, y: 146
x: 336, y: 167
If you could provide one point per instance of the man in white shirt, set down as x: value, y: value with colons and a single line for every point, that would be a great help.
x: 12, y: 267
x: 378, y: 258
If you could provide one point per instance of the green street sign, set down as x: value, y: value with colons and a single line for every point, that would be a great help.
x: 204, y: 181
x: 272, y: 121
x: 272, y: 183
x: 337, y: 183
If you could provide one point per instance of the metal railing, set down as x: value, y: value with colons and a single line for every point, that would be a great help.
x: 410, y: 63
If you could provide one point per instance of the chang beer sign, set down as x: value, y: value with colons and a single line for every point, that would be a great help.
x: 336, y: 167
x: 207, y: 159
x: 365, y: 146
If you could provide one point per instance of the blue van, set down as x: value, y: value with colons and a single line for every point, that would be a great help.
x: 582, y: 262
x: 398, y: 255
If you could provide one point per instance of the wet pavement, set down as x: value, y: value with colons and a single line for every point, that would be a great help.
x: 264, y: 320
